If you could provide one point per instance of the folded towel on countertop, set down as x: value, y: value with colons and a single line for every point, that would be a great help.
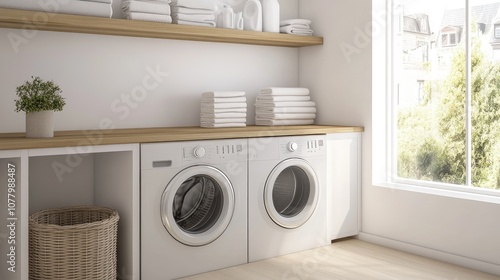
x: 223, y: 115
x: 210, y: 125
x: 191, y: 11
x: 201, y: 18
x: 223, y: 99
x: 284, y: 91
x: 229, y: 120
x: 223, y: 105
x: 195, y: 4
x: 286, y: 104
x: 213, y: 94
x: 221, y: 111
x: 283, y: 122
x: 285, y: 116
x: 296, y: 31
x: 271, y: 110
x: 266, y: 98
x: 195, y: 23
x: 84, y: 8
x: 146, y: 7
x: 149, y: 17
x: 295, y: 21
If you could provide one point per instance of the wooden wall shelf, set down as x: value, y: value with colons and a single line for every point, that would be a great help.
x: 21, y: 19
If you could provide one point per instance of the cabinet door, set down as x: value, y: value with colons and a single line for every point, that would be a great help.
x: 344, y: 180
x: 14, y: 215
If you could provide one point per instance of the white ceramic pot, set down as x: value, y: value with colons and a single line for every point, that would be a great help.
x: 40, y: 124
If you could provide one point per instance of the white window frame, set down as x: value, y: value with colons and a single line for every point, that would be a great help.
x: 384, y: 94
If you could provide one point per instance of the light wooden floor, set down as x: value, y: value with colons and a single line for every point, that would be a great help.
x: 349, y: 259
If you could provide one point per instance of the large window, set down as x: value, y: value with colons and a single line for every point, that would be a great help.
x: 445, y: 110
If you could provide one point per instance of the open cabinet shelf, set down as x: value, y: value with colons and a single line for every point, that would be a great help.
x: 21, y: 19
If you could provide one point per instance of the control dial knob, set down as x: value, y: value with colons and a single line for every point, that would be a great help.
x: 292, y: 146
x: 199, y: 152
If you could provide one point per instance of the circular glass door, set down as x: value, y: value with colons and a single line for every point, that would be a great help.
x: 291, y: 193
x: 197, y: 205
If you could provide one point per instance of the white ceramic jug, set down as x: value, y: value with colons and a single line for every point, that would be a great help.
x: 227, y: 17
x: 252, y: 15
x: 270, y: 16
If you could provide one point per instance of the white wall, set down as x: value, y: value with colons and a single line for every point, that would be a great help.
x: 465, y: 232
x: 99, y: 75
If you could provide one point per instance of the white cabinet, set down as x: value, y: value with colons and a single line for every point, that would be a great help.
x: 344, y: 182
x: 48, y: 178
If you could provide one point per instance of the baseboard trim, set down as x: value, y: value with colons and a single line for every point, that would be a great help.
x: 430, y: 253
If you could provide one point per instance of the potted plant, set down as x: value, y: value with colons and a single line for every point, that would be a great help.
x: 39, y: 99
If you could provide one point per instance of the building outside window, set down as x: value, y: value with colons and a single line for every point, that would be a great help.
x: 447, y: 133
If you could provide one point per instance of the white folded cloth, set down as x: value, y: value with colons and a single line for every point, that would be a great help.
x: 223, y: 115
x: 84, y: 8
x: 195, y: 23
x: 202, y: 18
x: 267, y: 98
x: 229, y: 120
x: 295, y: 21
x: 223, y: 94
x: 284, y: 91
x: 286, y: 104
x: 195, y: 4
x: 285, y: 116
x: 221, y: 111
x: 296, y: 31
x: 223, y: 99
x: 149, y: 17
x: 145, y: 7
x: 210, y: 125
x: 271, y: 110
x: 153, y: 1
x: 283, y: 122
x: 191, y: 11
x: 98, y: 1
x: 223, y: 105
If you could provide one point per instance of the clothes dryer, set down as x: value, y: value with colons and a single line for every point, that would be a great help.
x: 286, y: 195
x: 193, y: 207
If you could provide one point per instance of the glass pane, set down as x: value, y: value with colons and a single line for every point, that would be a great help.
x: 485, y: 55
x: 291, y: 191
x: 197, y: 204
x: 430, y: 107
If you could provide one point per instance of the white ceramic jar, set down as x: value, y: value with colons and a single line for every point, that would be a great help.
x: 270, y: 16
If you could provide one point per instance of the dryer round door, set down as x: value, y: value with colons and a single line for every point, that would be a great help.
x: 197, y: 205
x: 291, y: 193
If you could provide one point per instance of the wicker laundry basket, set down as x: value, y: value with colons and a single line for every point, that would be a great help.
x: 73, y: 243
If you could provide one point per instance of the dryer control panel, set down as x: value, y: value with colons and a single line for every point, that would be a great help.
x: 302, y: 146
x: 213, y: 152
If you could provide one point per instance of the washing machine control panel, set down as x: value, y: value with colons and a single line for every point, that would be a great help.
x: 307, y: 146
x: 213, y: 152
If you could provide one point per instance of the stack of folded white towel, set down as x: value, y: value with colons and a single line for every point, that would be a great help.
x: 223, y: 109
x: 147, y: 10
x: 296, y: 26
x: 284, y: 106
x: 194, y: 12
x: 97, y: 8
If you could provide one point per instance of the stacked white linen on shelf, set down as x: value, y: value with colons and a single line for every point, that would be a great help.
x: 223, y: 109
x: 97, y: 8
x: 284, y: 106
x: 194, y: 12
x: 147, y: 10
x: 296, y: 26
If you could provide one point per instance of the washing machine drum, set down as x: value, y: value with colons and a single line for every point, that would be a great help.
x: 197, y: 205
x: 291, y: 193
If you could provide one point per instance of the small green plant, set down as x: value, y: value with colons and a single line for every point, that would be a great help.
x: 38, y: 95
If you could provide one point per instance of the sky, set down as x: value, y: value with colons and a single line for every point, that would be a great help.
x: 435, y: 8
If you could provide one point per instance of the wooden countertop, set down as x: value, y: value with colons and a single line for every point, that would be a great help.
x: 14, y: 141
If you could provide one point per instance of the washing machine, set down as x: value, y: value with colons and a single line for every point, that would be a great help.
x: 193, y: 207
x: 286, y: 195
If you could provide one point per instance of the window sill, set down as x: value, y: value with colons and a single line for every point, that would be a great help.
x: 450, y: 191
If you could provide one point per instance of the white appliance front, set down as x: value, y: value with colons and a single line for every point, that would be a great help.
x: 193, y: 207
x: 286, y: 195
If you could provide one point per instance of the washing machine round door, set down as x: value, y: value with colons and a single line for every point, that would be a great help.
x: 197, y: 205
x: 291, y: 193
